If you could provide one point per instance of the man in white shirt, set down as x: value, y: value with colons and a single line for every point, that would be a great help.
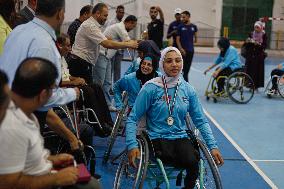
x: 102, y: 70
x: 116, y: 59
x: 37, y: 39
x: 88, y: 40
x: 24, y: 163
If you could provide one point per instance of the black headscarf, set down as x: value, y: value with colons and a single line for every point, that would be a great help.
x: 144, y: 78
x: 149, y: 47
x: 225, y: 44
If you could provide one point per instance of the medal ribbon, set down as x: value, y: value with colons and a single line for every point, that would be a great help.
x: 170, y: 108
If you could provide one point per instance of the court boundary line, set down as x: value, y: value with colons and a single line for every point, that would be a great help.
x: 268, y: 160
x: 241, y: 151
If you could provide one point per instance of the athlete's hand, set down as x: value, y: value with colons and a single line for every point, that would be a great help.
x: 217, y: 157
x: 133, y: 154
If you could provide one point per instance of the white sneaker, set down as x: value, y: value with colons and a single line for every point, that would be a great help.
x: 112, y: 108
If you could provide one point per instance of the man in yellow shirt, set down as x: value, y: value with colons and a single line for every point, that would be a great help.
x: 7, y: 9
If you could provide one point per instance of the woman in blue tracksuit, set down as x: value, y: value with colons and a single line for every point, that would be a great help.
x: 133, y: 82
x: 144, y: 47
x: 165, y: 101
x: 230, y: 60
x: 279, y: 71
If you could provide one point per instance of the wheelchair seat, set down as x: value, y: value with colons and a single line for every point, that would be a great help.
x: 242, y: 69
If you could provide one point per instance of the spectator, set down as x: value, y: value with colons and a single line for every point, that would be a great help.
x: 85, y: 13
x: 28, y: 164
x: 172, y: 31
x: 4, y: 95
x: 156, y: 26
x: 89, y: 37
x: 102, y: 70
x: 116, y: 59
x: 255, y: 46
x: 94, y: 96
x: 186, y: 37
x: 118, y: 17
x: 27, y: 13
x: 36, y: 39
x: 7, y: 13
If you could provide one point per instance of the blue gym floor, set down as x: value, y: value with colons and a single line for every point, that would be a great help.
x: 248, y: 135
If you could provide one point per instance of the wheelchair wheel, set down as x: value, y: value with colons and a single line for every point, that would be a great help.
x: 115, y: 130
x: 240, y: 87
x: 128, y: 177
x: 209, y: 176
x: 280, y: 84
x: 113, y: 135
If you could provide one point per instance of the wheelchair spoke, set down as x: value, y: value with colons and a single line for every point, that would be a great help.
x: 209, y: 176
x: 240, y: 87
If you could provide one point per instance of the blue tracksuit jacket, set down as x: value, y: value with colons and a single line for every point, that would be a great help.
x: 151, y: 101
x: 231, y: 59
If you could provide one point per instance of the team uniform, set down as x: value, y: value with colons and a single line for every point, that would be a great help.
x: 229, y: 63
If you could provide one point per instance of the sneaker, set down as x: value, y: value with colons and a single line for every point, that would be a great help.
x: 112, y: 108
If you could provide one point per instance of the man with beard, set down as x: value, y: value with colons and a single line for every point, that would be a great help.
x: 89, y: 37
x: 156, y: 26
x: 186, y: 37
x: 37, y: 39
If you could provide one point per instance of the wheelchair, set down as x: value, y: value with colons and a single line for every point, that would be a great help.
x: 280, y: 87
x: 151, y: 170
x: 117, y: 129
x: 79, y: 117
x: 239, y: 87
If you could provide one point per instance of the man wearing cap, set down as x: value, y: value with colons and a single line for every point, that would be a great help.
x: 172, y: 31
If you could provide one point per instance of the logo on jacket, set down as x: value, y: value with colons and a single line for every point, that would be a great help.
x: 185, y: 100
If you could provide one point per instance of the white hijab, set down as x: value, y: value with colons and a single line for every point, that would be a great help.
x: 170, y: 81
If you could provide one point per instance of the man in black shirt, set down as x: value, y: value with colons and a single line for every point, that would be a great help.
x: 85, y: 13
x: 156, y: 26
x: 27, y: 13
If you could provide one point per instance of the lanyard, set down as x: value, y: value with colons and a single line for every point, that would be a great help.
x: 170, y: 108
